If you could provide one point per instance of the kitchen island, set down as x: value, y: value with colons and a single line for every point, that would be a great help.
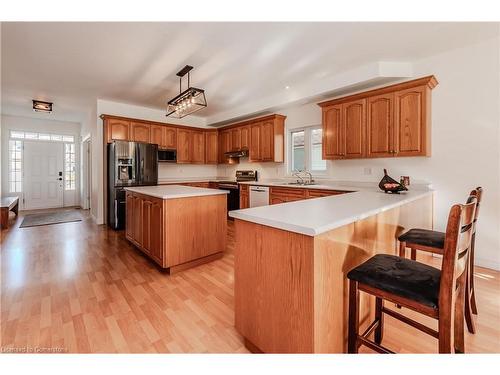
x: 291, y: 262
x: 177, y: 226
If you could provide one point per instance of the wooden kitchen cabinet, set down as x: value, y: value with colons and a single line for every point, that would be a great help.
x: 224, y: 146
x: 245, y: 137
x: 380, y: 125
x: 170, y: 138
x: 183, y: 146
x: 267, y: 139
x: 157, y: 135
x: 211, y: 147
x: 390, y: 121
x: 117, y: 130
x: 244, y: 197
x: 140, y: 132
x: 236, y: 139
x: 412, y: 119
x: 332, y: 132
x: 282, y: 195
x: 197, y: 147
x: 354, y: 129
x: 254, y: 153
x: 144, y: 218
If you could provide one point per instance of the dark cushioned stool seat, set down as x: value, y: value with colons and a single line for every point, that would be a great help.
x: 403, y: 277
x: 423, y: 237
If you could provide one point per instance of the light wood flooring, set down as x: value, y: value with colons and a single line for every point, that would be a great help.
x: 79, y: 287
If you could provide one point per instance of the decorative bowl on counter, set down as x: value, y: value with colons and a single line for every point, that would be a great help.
x: 390, y: 185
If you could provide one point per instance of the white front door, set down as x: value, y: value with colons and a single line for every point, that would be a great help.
x: 43, y: 174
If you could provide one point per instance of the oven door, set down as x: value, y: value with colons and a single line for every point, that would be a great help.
x: 233, y: 198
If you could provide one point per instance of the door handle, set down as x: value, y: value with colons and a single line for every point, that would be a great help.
x: 60, y: 178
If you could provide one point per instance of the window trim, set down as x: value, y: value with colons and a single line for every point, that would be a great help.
x: 307, y: 155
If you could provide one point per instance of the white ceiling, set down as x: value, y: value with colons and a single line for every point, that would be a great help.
x: 237, y: 64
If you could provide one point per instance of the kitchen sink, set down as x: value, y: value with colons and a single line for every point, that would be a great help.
x: 301, y: 183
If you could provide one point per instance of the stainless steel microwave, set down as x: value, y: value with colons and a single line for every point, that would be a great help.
x: 167, y: 156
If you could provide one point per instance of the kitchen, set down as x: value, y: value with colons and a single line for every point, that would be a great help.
x: 242, y: 233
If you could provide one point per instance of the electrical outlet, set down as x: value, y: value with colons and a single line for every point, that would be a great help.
x: 367, y: 171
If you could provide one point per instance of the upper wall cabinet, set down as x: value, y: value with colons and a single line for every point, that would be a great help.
x: 140, y: 132
x: 117, y: 130
x: 387, y: 122
x: 267, y: 139
x: 211, y: 147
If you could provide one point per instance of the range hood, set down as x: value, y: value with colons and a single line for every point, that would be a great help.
x: 236, y: 154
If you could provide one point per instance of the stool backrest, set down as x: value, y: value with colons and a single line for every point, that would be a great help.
x: 457, y: 243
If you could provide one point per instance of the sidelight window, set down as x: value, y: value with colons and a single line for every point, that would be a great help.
x: 69, y: 167
x: 15, y: 161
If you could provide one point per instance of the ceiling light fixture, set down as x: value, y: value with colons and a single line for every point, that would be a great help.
x: 188, y: 101
x: 40, y: 106
x: 287, y: 87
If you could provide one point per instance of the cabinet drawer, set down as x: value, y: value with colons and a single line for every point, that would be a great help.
x: 297, y: 192
x: 316, y: 193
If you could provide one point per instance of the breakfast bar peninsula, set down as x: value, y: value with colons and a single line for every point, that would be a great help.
x: 291, y: 261
x: 177, y: 226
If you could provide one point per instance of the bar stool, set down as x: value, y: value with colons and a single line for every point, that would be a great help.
x: 433, y: 242
x: 418, y: 287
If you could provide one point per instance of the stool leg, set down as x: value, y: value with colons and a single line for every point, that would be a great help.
x: 468, y: 303
x: 352, y: 344
x: 379, y: 315
x: 471, y: 276
x: 413, y: 254
x: 459, y: 317
x: 402, y: 249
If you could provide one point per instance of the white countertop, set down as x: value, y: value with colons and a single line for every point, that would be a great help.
x: 315, y: 216
x: 174, y: 191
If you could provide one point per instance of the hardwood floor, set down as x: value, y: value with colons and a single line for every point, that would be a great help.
x: 79, y: 287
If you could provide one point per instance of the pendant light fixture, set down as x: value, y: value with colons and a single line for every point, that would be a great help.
x: 188, y: 101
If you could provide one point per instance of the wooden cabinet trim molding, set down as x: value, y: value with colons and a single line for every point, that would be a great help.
x: 429, y: 81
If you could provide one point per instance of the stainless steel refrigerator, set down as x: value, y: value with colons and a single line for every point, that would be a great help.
x: 129, y: 164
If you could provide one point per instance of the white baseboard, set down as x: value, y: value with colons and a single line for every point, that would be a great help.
x: 487, y: 263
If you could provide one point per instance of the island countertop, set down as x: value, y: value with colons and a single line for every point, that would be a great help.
x: 312, y: 217
x: 174, y: 191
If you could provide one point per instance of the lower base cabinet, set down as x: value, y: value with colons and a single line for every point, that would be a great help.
x: 144, y: 217
x: 279, y: 195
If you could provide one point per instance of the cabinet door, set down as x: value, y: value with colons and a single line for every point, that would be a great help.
x: 118, y: 130
x: 129, y: 207
x: 277, y: 199
x: 380, y: 125
x: 140, y: 132
x: 267, y: 141
x: 157, y: 135
x: 137, y: 218
x: 410, y: 128
x: 245, y: 137
x: 146, y: 205
x: 170, y: 138
x: 244, y: 200
x: 235, y: 139
x: 156, y: 230
x: 254, y: 153
x: 333, y: 137
x: 184, y: 146
x: 198, y: 147
x: 211, y: 147
x: 224, y: 145
x: 354, y: 129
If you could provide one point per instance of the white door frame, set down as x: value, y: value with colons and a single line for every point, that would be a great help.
x: 59, y: 184
x: 86, y: 173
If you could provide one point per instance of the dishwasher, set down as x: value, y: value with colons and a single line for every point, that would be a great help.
x: 259, y: 196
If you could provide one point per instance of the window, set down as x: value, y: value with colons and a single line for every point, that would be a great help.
x: 69, y: 167
x: 15, y: 171
x: 14, y: 134
x: 306, y: 150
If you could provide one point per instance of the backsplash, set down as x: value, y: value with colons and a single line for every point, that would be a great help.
x: 172, y: 170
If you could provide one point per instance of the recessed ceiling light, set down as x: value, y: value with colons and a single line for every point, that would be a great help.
x: 287, y: 87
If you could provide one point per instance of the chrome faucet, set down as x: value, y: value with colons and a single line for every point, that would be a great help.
x: 310, y: 177
x: 297, y: 174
